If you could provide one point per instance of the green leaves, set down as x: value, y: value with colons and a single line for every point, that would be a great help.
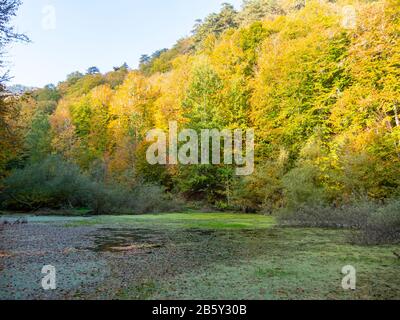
x: 328, y: 96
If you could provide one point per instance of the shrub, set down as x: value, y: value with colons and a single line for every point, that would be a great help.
x: 259, y: 192
x: 115, y: 199
x: 353, y: 216
x: 152, y: 198
x: 302, y: 187
x: 262, y: 191
x: 57, y: 184
x: 372, y: 223
x: 52, y: 183
x: 383, y: 226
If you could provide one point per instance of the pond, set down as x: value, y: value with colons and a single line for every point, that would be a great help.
x: 186, y: 255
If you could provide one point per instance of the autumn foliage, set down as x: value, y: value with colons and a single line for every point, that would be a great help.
x: 324, y: 101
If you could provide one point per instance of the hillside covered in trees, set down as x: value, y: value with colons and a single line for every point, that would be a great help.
x: 323, y: 98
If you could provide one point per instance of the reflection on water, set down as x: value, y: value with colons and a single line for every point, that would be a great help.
x: 143, y: 240
x: 115, y: 240
x: 118, y: 239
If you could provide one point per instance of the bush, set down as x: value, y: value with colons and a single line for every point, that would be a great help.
x: 52, y: 183
x: 383, y: 226
x: 302, y: 186
x: 353, y: 216
x: 152, y: 198
x: 56, y: 184
x: 142, y: 199
x: 372, y: 223
x: 263, y: 190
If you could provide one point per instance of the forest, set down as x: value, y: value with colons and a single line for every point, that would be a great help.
x: 322, y: 96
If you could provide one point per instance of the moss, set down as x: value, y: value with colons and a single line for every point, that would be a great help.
x: 298, y: 264
x: 215, y: 256
x: 217, y: 221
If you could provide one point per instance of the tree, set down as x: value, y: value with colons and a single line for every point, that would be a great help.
x: 74, y: 76
x: 47, y: 98
x: 131, y: 115
x: 203, y: 101
x: 38, y: 138
x: 124, y: 67
x: 323, y: 99
x: 8, y: 10
x: 256, y: 10
x: 8, y: 140
x: 93, y: 70
x: 64, y: 135
x: 144, y: 59
x: 116, y: 78
x: 215, y: 23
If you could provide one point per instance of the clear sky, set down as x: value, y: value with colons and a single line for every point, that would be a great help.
x: 72, y: 35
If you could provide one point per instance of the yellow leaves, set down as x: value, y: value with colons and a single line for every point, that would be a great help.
x: 226, y: 56
x: 172, y: 88
x: 61, y: 118
x: 9, y: 136
x: 101, y: 95
x: 131, y: 105
x: 131, y: 114
x: 283, y: 67
x: 372, y: 61
x: 64, y: 137
x: 208, y: 44
x: 373, y: 44
x: 286, y: 76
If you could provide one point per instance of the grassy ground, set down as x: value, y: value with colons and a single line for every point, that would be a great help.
x: 296, y: 264
x: 193, y: 256
x: 213, y: 221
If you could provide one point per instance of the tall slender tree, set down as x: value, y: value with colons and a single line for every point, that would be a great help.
x: 8, y: 9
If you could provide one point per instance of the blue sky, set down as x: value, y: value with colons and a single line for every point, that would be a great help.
x: 97, y: 33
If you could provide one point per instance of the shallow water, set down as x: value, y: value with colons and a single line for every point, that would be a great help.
x: 107, y: 239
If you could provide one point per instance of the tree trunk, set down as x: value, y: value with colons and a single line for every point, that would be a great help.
x: 396, y: 116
